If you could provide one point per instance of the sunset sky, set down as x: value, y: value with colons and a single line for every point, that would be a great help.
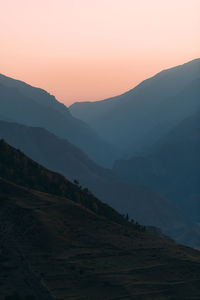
x: 83, y: 50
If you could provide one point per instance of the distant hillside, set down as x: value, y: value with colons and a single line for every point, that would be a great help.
x: 135, y: 120
x: 173, y: 168
x: 22, y: 103
x: 143, y: 205
x: 54, y: 248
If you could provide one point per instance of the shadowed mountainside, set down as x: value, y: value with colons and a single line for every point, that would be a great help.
x: 135, y: 120
x: 22, y: 103
x: 56, y: 247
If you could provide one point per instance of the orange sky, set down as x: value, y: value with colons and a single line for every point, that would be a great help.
x: 92, y: 49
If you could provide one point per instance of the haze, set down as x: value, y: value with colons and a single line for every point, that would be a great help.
x: 89, y: 50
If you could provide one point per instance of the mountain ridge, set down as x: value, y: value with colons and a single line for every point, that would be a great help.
x: 196, y: 60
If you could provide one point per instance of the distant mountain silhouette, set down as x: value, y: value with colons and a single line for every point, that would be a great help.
x: 60, y: 242
x: 135, y: 120
x: 143, y: 205
x: 20, y: 102
x: 173, y: 168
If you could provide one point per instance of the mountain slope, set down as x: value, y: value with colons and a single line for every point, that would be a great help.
x: 20, y: 169
x: 140, y: 203
x: 60, y: 249
x: 20, y: 102
x: 135, y: 120
x: 173, y: 168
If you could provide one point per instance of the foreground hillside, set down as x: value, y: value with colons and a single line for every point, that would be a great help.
x: 140, y: 203
x: 56, y: 247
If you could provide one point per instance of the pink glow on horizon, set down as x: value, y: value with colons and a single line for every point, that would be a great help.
x: 83, y: 50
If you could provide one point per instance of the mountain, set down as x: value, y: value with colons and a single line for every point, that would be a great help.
x: 137, y: 119
x: 22, y: 103
x: 56, y: 244
x: 172, y: 169
x: 143, y: 205
x: 20, y: 169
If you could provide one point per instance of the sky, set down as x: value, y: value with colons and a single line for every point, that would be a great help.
x: 88, y: 50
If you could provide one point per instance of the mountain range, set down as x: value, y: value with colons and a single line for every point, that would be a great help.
x: 152, y: 187
x: 94, y: 198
